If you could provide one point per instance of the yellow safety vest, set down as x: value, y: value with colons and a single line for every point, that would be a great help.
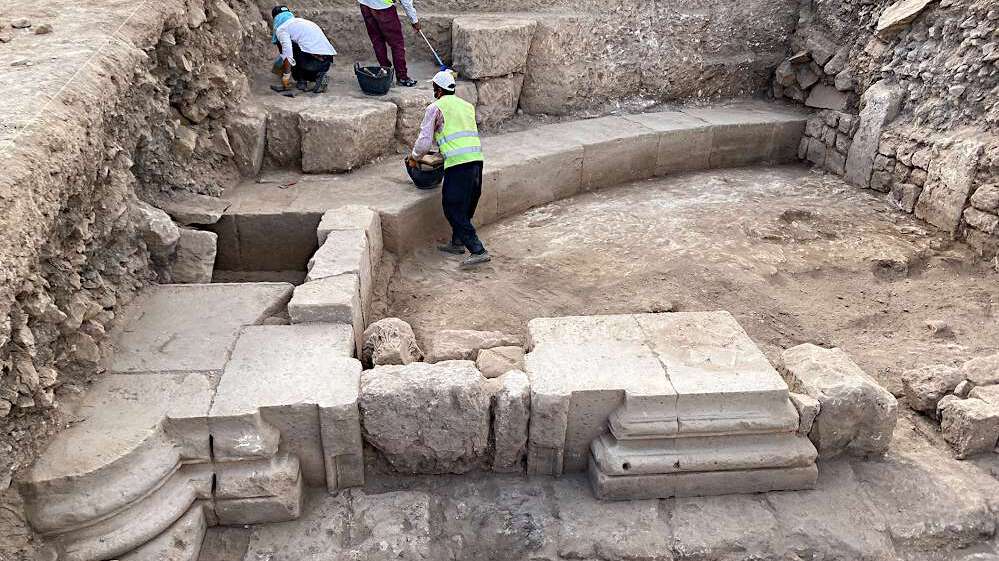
x: 459, y: 140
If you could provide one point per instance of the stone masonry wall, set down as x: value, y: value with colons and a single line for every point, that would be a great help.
x: 919, y: 80
x: 133, y: 111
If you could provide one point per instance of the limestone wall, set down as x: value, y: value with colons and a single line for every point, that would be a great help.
x: 926, y: 76
x: 105, y: 105
x: 597, y: 54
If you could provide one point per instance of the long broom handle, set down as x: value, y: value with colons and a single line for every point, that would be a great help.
x: 439, y: 61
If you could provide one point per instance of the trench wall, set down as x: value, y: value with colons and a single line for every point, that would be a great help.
x: 937, y: 153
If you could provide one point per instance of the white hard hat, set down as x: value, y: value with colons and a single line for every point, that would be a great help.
x: 445, y: 79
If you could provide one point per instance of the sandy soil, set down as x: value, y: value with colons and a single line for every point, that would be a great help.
x: 796, y: 255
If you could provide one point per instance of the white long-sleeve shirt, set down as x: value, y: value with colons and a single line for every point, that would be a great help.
x: 381, y: 5
x: 308, y: 35
x: 433, y: 122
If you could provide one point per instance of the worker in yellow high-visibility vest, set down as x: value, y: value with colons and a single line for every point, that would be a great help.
x: 449, y: 124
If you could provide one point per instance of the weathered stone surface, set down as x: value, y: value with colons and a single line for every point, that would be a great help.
x: 195, y: 258
x: 389, y: 341
x: 334, y: 299
x: 857, y: 415
x: 948, y: 185
x: 511, y: 413
x: 824, y: 97
x: 925, y: 386
x: 189, y: 209
x: 190, y: 327
x: 262, y: 510
x: 247, y: 132
x: 157, y: 230
x: 898, y: 15
x: 300, y: 380
x: 341, y: 136
x: 970, y: 425
x: 497, y: 361
x: 988, y: 394
x: 716, y: 527
x: 487, y: 46
x: 345, y: 252
x: 180, y: 542
x: 808, y: 409
x: 498, y: 98
x: 354, y: 217
x: 986, y: 197
x: 427, y: 418
x: 284, y: 139
x: 881, y: 102
x: 982, y: 371
x: 464, y: 344
x: 905, y: 195
x: 982, y: 221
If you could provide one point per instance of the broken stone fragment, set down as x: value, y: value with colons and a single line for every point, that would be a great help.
x: 497, y: 361
x: 511, y: 413
x: 988, y: 394
x: 982, y: 371
x: 157, y: 230
x: 186, y: 141
x: 427, y: 418
x: 982, y: 221
x: 881, y: 104
x: 971, y: 426
x: 925, y: 386
x: 951, y: 177
x: 464, y: 344
x: 247, y: 132
x: 43, y: 29
x: 825, y: 97
x: 898, y: 15
x: 808, y: 409
x: 194, y: 262
x: 856, y: 416
x: 498, y: 98
x: 940, y: 329
x: 963, y: 389
x: 21, y: 23
x: 389, y: 341
x: 986, y: 198
x: 189, y: 209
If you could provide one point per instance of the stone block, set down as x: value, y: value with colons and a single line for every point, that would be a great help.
x: 283, y: 138
x: 498, y: 98
x: 344, y: 135
x: 684, y: 141
x: 835, y: 162
x: 986, y: 198
x: 170, y: 328
x: 988, y: 394
x: 857, y: 416
x: 487, y: 46
x: 390, y: 341
x: 696, y: 484
x: 298, y: 378
x: 495, y: 362
x: 881, y: 102
x: 194, y: 261
x: 511, y: 414
x: 948, y: 184
x: 925, y: 386
x: 615, y: 150
x: 261, y: 510
x: 985, y: 222
x: 277, y: 476
x: 427, y: 418
x: 157, y: 230
x: 345, y: 252
x: 740, y: 135
x: 330, y: 300
x: 180, y: 542
x: 905, y: 195
x: 971, y: 426
x: 188, y: 209
x: 825, y: 97
x: 355, y: 217
x: 247, y: 131
x: 896, y: 16
x: 808, y: 409
x: 464, y: 344
x: 523, y: 170
x: 982, y: 371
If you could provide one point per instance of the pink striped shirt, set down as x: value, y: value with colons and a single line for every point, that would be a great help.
x: 433, y: 121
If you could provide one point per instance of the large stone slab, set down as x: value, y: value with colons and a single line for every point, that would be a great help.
x: 523, y: 170
x: 615, y: 150
x: 195, y: 258
x: 427, y: 418
x: 694, y: 484
x: 948, y: 185
x: 247, y: 133
x: 330, y: 300
x: 180, y: 542
x: 511, y: 415
x: 486, y: 46
x: 345, y: 252
x: 303, y: 383
x: 856, y: 416
x: 189, y: 209
x: 684, y: 140
x: 345, y: 134
x: 129, y: 435
x: 898, y: 15
x: 170, y: 328
x: 881, y: 103
x: 354, y: 217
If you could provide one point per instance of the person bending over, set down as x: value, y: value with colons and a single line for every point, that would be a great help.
x: 449, y: 124
x: 306, y: 53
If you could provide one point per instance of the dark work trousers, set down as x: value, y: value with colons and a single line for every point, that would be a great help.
x: 308, y: 66
x: 460, y: 196
x: 385, y: 31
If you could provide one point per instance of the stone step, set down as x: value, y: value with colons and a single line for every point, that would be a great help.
x: 180, y: 542
x: 701, y: 453
x: 695, y: 484
x: 271, y: 228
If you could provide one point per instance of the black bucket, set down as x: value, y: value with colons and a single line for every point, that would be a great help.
x: 425, y: 178
x: 374, y: 80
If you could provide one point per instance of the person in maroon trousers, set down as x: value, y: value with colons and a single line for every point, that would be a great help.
x: 385, y: 31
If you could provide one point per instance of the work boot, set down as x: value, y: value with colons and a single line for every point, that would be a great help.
x: 301, y: 85
x: 453, y: 248
x: 476, y: 259
x: 279, y: 88
x: 322, y: 81
x: 407, y: 82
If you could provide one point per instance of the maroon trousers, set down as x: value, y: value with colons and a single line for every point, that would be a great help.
x: 385, y: 30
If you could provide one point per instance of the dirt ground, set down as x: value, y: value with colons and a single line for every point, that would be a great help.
x: 796, y: 255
